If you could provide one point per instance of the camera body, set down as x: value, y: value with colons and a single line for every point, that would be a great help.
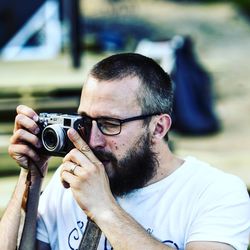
x: 53, y: 127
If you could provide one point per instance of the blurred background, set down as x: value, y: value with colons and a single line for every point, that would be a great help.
x: 47, y: 48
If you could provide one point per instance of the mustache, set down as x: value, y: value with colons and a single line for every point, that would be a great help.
x: 104, y: 156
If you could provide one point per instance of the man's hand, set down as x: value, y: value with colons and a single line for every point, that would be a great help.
x: 25, y: 144
x: 24, y: 149
x: 86, y: 176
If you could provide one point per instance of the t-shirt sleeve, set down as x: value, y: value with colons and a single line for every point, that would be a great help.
x: 46, y: 220
x: 223, y: 213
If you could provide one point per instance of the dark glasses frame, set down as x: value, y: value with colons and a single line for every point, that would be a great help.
x: 87, y: 122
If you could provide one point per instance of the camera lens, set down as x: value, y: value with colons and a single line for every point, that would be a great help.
x: 53, y: 138
x: 50, y: 138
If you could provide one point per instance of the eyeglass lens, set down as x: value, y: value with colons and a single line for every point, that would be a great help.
x: 108, y: 126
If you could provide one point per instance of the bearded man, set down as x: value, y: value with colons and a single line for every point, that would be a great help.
x: 122, y: 174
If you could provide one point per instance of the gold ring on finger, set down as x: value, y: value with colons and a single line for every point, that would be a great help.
x: 72, y: 170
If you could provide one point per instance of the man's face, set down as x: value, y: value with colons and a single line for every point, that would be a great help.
x: 127, y: 157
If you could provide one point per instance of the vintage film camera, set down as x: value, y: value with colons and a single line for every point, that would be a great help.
x: 53, y: 134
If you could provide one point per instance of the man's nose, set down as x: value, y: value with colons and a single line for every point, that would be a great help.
x: 96, y: 139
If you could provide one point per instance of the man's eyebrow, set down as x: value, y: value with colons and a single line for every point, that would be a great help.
x: 82, y: 113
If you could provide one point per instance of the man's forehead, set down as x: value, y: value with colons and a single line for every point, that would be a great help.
x: 118, y: 94
x: 115, y: 89
x: 130, y: 82
x: 90, y: 83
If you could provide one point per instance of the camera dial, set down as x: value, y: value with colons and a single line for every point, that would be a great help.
x: 53, y: 138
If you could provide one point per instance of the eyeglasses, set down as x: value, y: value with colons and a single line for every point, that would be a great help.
x: 108, y: 125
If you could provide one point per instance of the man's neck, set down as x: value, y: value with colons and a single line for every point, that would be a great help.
x: 168, y: 163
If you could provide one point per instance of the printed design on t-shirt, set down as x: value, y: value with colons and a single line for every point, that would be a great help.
x: 75, y: 236
x: 169, y: 243
x: 107, y: 245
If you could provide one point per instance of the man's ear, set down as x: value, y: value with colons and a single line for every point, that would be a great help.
x: 162, y: 125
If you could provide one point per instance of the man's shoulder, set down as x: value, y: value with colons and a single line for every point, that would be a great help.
x: 207, y: 171
x: 210, y: 178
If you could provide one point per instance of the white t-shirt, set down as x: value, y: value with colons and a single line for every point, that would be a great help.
x: 195, y: 203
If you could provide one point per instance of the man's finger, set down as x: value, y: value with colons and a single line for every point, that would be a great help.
x: 22, y: 109
x: 81, y: 145
x: 67, y: 178
x: 24, y: 114
x: 70, y: 167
